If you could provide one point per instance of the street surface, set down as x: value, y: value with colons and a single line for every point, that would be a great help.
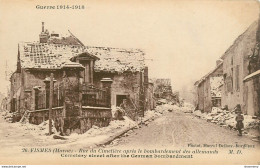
x: 172, y: 129
x: 178, y: 129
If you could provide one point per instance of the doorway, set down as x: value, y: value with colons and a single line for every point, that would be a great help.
x: 119, y: 99
x: 13, y: 104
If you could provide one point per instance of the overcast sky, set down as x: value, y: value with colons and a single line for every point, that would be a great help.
x: 184, y: 38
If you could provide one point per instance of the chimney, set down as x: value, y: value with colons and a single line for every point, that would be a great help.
x: 44, y: 36
x: 42, y: 26
x: 18, y: 70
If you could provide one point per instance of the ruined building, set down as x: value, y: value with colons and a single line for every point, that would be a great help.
x: 88, y: 81
x: 240, y: 66
x: 209, y: 89
x: 240, y: 71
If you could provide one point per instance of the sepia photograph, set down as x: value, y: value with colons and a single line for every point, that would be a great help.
x: 120, y: 82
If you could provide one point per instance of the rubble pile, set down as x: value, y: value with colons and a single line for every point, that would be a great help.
x: 151, y: 114
x: 250, y: 123
x: 113, y: 125
x: 161, y: 101
x: 165, y: 108
x: 187, y: 108
x: 226, y: 118
x: 8, y: 116
x: 127, y: 122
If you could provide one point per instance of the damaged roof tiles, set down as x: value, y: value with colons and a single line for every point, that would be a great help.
x: 55, y: 54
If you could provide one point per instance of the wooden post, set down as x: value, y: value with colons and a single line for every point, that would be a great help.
x: 47, y: 92
x: 19, y: 104
x: 80, y: 103
x: 58, y: 95
x: 87, y: 73
x: 141, y: 96
x: 64, y: 94
x: 91, y: 71
x: 145, y: 90
x: 50, y: 104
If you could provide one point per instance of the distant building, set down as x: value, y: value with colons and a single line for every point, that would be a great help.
x: 163, y: 90
x: 209, y: 89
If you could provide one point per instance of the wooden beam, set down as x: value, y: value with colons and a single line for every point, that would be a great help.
x: 50, y: 104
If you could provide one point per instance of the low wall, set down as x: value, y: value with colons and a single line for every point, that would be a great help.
x: 98, y: 116
x: 38, y: 116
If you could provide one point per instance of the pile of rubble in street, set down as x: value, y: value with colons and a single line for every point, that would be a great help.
x: 164, y: 108
x: 187, y: 108
x: 113, y: 126
x: 226, y: 118
x: 170, y: 106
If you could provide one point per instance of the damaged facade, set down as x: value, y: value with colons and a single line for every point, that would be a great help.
x: 209, y: 89
x: 88, y: 81
x: 241, y: 66
x: 127, y: 70
x: 241, y: 63
x: 236, y: 68
x: 163, y: 90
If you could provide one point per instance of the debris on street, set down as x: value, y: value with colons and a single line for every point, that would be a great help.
x: 226, y: 118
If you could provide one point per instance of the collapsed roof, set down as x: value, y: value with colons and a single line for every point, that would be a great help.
x: 57, y: 52
x: 117, y: 59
